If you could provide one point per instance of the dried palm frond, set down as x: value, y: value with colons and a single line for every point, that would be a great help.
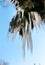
x: 30, y: 13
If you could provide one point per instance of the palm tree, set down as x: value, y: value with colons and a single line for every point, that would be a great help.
x: 30, y: 13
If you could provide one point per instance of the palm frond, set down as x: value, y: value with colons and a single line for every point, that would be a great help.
x: 30, y: 14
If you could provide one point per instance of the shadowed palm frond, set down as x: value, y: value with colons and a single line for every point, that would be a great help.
x: 30, y: 13
x: 21, y: 25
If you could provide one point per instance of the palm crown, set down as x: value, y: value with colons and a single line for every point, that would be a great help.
x: 30, y: 13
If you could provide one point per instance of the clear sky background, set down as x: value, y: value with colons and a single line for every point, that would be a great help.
x: 11, y: 50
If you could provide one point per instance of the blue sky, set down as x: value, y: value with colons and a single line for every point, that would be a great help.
x: 11, y: 50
